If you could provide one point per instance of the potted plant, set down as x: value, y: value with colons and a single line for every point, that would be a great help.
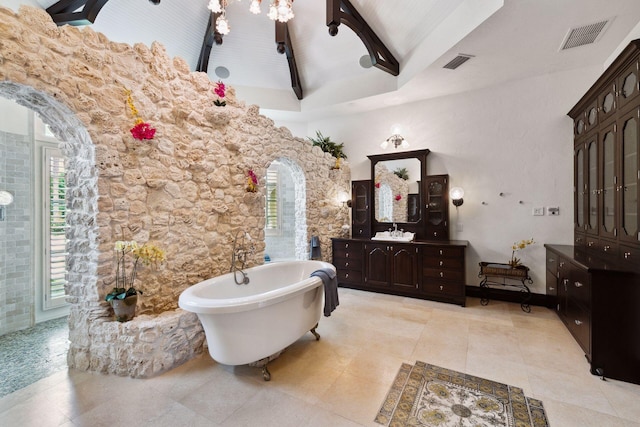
x: 124, y: 296
x: 328, y: 146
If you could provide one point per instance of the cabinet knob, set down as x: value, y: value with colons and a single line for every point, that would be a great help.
x: 441, y: 274
x: 606, y: 248
x: 440, y: 251
x: 346, y: 245
x: 565, y: 281
x: 552, y: 289
x: 578, y: 322
x: 440, y: 263
x: 627, y: 255
x: 561, y: 263
x: 441, y: 287
x: 346, y: 255
x: 346, y: 276
x: 578, y: 284
x: 346, y: 264
x: 590, y: 244
x: 435, y: 234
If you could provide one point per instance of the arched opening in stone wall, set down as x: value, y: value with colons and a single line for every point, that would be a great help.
x: 285, y: 211
x: 82, y: 193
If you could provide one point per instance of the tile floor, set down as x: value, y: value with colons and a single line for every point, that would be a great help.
x: 342, y: 379
x: 31, y: 354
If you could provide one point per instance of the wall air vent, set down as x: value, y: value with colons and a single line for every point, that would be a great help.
x: 457, y: 61
x: 586, y: 34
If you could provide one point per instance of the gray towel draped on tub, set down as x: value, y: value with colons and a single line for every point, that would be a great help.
x: 330, y: 282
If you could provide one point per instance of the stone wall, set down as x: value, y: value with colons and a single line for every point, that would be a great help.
x: 183, y: 190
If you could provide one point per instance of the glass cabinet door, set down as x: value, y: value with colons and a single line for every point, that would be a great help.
x: 628, y: 85
x: 607, y: 103
x: 628, y: 188
x: 608, y: 220
x: 592, y: 192
x: 579, y: 188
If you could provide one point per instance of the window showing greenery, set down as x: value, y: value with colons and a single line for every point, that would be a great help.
x: 272, y: 214
x: 55, y: 225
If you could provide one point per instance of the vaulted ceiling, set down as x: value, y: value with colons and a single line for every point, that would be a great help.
x: 506, y: 39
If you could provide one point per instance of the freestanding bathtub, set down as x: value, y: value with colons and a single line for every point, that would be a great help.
x: 247, y: 323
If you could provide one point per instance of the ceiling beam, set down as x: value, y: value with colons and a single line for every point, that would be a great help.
x: 343, y: 12
x: 284, y: 45
x: 211, y: 36
x: 64, y: 11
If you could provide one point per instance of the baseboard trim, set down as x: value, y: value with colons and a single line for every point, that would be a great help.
x: 541, y: 300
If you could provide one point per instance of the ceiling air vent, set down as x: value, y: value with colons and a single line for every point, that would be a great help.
x: 457, y: 61
x: 586, y: 34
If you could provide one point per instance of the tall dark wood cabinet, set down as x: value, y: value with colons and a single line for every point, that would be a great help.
x: 607, y: 161
x: 595, y: 283
x: 360, y: 205
x: 437, y: 207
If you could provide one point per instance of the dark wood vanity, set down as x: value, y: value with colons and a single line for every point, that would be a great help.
x: 431, y: 266
x: 595, y: 283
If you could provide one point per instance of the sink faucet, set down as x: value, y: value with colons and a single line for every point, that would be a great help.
x: 394, y: 233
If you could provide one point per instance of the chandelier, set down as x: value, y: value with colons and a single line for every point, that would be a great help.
x: 280, y: 10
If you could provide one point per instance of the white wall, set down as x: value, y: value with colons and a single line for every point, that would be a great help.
x: 514, y: 139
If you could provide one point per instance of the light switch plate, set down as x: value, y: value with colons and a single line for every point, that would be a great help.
x: 553, y: 210
x: 538, y: 211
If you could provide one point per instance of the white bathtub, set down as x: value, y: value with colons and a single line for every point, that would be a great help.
x: 247, y: 323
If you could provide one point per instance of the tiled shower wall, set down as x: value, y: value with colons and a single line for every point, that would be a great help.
x: 16, y: 241
x: 283, y: 245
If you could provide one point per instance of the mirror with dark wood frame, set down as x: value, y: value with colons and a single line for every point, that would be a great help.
x: 398, y: 192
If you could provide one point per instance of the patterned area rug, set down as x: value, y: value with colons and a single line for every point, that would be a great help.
x: 427, y: 395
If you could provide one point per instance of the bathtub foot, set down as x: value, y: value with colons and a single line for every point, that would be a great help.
x: 266, y: 375
x: 315, y: 334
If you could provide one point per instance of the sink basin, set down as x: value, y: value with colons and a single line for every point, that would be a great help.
x: 407, y: 236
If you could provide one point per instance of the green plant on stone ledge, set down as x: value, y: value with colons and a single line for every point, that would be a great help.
x: 402, y: 173
x: 328, y: 146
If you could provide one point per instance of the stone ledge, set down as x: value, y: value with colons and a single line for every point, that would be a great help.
x: 141, y: 348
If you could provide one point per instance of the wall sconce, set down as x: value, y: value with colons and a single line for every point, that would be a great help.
x: 456, y: 194
x: 6, y: 199
x: 396, y: 140
x: 344, y: 198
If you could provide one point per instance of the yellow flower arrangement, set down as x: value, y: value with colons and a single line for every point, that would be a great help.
x: 514, y: 262
x: 148, y: 254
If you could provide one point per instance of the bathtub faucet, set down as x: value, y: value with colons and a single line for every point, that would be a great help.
x: 239, y: 256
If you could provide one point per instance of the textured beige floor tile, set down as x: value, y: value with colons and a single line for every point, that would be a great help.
x: 375, y: 367
x: 124, y: 405
x: 624, y: 397
x: 355, y: 399
x: 563, y: 414
x: 498, y: 341
x: 221, y: 396
x: 176, y: 415
x: 36, y: 411
x: 579, y: 390
x: 273, y: 409
x: 514, y: 374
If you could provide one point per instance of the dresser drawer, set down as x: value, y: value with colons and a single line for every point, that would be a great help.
x: 630, y: 256
x: 579, y: 288
x: 552, y: 262
x: 443, y: 263
x: 552, y: 284
x: 443, y: 251
x: 348, y: 263
x: 347, y: 246
x: 443, y: 274
x: 349, y: 276
x: 350, y: 253
x: 579, y: 324
x: 443, y: 288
